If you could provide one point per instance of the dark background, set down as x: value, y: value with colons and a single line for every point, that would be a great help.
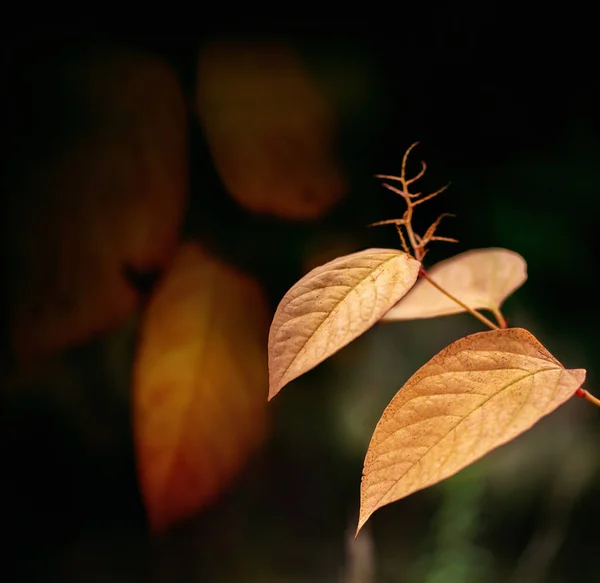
x: 506, y: 110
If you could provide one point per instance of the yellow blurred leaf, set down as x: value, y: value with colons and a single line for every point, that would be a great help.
x: 109, y: 195
x: 200, y: 380
x: 269, y: 128
x: 475, y: 395
x: 481, y: 278
x: 332, y: 305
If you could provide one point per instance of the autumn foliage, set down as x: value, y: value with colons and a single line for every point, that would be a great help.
x: 110, y: 195
x: 270, y: 129
x: 107, y: 203
x: 475, y: 395
x: 199, y: 384
x: 103, y: 207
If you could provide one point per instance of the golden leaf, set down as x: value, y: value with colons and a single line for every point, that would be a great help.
x: 481, y: 278
x: 269, y: 128
x: 200, y: 379
x: 475, y: 395
x: 332, y: 305
x: 109, y: 195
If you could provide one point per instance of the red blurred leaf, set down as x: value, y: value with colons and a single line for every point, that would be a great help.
x: 269, y: 128
x: 200, y: 384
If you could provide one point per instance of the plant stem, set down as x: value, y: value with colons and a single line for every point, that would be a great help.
x: 585, y: 395
x: 411, y: 236
x: 501, y: 320
x: 471, y: 311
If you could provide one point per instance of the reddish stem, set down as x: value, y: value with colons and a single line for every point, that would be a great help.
x: 585, y: 395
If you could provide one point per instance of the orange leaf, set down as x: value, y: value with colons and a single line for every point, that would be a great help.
x: 200, y: 379
x: 480, y: 278
x: 332, y: 305
x: 269, y: 128
x: 473, y: 396
x: 109, y: 195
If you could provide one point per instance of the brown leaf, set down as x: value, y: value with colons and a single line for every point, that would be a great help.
x: 108, y: 196
x: 332, y: 305
x: 200, y: 379
x: 481, y: 278
x: 475, y: 395
x: 269, y: 128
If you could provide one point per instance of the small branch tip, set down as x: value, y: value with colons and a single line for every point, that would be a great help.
x: 413, y: 199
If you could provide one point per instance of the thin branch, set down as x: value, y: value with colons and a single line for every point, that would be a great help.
x: 405, y: 157
x: 585, y: 395
x: 393, y: 189
x: 402, y: 239
x: 430, y: 196
x: 446, y: 239
x: 387, y: 222
x: 431, y: 231
x: 417, y: 249
x: 419, y: 175
x: 500, y: 318
x: 388, y: 177
x: 471, y: 311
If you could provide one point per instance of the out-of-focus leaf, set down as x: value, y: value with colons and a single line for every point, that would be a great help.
x: 200, y: 380
x: 269, y: 128
x: 481, y: 278
x: 332, y: 305
x: 475, y: 395
x: 109, y: 196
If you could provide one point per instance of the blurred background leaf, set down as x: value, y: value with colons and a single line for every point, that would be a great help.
x: 479, y: 90
x: 98, y: 192
x: 270, y: 129
x: 199, y: 385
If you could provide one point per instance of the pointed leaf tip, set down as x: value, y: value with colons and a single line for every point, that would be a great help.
x: 332, y: 305
x: 475, y: 395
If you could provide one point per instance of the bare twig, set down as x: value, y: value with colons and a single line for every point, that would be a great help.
x: 429, y: 234
x: 417, y: 243
x: 471, y: 311
x: 402, y: 239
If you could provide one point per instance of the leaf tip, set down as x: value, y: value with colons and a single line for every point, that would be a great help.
x: 362, y: 520
x: 580, y: 374
x: 274, y: 389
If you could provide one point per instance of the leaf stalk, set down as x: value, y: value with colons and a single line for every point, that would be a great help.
x: 471, y: 311
x: 587, y: 396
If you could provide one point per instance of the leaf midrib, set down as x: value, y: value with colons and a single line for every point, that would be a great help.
x: 463, y: 419
x: 350, y: 290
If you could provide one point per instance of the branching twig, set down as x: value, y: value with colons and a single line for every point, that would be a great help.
x: 429, y: 234
x: 417, y: 243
